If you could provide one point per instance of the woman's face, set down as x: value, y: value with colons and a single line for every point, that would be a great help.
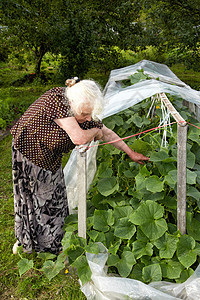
x: 85, y: 113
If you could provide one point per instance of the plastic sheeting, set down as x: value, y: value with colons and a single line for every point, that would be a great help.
x: 70, y: 174
x: 104, y: 287
x: 163, y: 79
x: 118, y: 98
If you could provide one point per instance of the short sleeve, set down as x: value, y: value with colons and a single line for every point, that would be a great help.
x: 56, y: 105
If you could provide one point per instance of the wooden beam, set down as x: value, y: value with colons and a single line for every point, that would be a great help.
x: 181, y: 177
x: 172, y: 110
x: 82, y: 191
x: 181, y: 163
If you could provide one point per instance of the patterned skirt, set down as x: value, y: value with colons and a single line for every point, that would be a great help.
x: 40, y: 204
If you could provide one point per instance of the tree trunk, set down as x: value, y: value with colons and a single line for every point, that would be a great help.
x: 39, y: 56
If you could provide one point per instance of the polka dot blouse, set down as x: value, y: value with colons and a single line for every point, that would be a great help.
x: 39, y: 138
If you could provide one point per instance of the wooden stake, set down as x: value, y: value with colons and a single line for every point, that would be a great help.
x: 82, y: 191
x: 181, y: 177
x: 181, y: 164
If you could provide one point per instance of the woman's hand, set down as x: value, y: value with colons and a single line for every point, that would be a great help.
x: 109, y: 135
x: 138, y: 157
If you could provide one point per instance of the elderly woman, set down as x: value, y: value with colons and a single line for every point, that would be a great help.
x: 54, y: 124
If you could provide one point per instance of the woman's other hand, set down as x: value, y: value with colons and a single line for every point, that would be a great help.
x: 138, y: 157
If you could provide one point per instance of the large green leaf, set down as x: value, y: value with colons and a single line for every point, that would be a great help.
x: 144, y: 171
x: 66, y: 240
x: 46, y: 255
x: 185, y: 251
x: 110, y: 238
x: 93, y: 234
x: 24, y: 265
x: 124, y: 228
x: 74, y: 252
x: 140, y: 181
x: 137, y: 77
x: 140, y: 147
x: 51, y: 269
x: 118, y: 120
x: 173, y: 175
x: 128, y: 174
x: 155, y: 229
x: 171, y: 179
x: 101, y: 238
x: 137, y: 271
x: 159, y: 156
x: 170, y: 202
x: 147, y: 212
x: 136, y: 119
x: 171, y: 269
x: 193, y: 229
x: 152, y: 273
x: 154, y: 184
x: 191, y: 177
x: 110, y: 123
x: 113, y: 260
x: 167, y: 245
x: 114, y: 247
x: 92, y: 248
x: 149, y: 216
x: 104, y: 168
x: 164, y: 168
x: 190, y: 159
x: 141, y: 248
x: 126, y: 263
x: 122, y: 212
x: 103, y: 220
x: 185, y: 274
x: 141, y: 236
x: 83, y: 269
x: 107, y: 186
x: 105, y: 173
x: 193, y: 192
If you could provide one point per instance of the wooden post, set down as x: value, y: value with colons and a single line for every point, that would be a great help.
x: 181, y: 177
x: 181, y: 164
x: 81, y: 183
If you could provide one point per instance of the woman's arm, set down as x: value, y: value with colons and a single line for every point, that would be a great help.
x: 109, y: 135
x: 76, y: 133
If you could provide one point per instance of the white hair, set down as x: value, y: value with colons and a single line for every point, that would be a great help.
x: 85, y: 92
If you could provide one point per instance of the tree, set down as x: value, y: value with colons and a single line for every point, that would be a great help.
x: 174, y: 24
x: 77, y: 29
x: 34, y: 24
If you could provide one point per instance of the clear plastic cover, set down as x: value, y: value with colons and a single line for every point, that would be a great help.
x: 103, y: 286
x: 163, y: 79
